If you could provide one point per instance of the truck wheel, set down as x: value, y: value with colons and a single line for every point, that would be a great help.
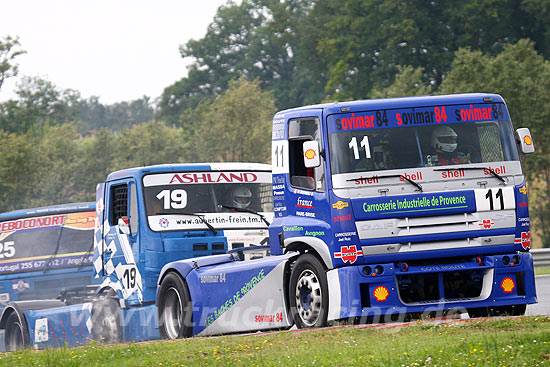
x: 106, y: 321
x: 308, y: 293
x: 175, y: 312
x: 16, y: 336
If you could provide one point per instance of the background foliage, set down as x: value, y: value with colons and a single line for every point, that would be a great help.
x: 259, y: 56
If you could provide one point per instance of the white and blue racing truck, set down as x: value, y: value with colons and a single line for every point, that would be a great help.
x: 386, y: 207
x: 145, y: 218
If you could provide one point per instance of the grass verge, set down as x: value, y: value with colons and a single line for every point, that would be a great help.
x: 542, y: 271
x: 521, y: 341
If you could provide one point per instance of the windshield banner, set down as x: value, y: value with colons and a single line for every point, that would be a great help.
x: 217, y: 221
x: 46, y: 242
x: 403, y: 117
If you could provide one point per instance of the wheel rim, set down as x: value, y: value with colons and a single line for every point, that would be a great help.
x: 15, y: 337
x: 308, y: 297
x: 172, y: 313
x: 110, y: 327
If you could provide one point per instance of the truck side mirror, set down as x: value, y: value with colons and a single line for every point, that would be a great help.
x: 524, y: 140
x: 311, y: 154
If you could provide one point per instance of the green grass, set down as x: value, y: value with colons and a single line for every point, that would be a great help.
x: 542, y: 271
x: 492, y: 342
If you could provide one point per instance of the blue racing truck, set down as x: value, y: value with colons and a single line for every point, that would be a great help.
x: 382, y: 207
x: 46, y: 250
x: 144, y: 218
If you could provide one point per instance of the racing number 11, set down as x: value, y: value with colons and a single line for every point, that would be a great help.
x: 498, y: 195
x: 364, y: 144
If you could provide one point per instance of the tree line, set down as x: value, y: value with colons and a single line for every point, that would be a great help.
x: 260, y: 56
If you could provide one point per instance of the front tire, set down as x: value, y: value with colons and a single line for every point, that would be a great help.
x: 308, y: 293
x: 107, y: 320
x: 16, y: 335
x: 174, y: 307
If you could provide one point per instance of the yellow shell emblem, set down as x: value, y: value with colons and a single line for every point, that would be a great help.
x: 381, y: 293
x: 310, y: 154
x: 508, y: 285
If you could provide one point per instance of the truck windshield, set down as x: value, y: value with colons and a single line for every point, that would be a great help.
x: 422, y: 146
x: 46, y: 242
x: 171, y: 198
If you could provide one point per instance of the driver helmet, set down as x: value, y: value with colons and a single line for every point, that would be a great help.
x: 444, y: 139
x: 242, y: 197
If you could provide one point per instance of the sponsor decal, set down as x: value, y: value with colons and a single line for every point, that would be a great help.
x: 413, y: 176
x: 527, y: 140
x: 435, y: 202
x: 486, y: 223
x: 309, y: 154
x: 20, y: 286
x: 213, y: 177
x: 340, y: 205
x: 507, y: 285
x: 278, y: 317
x: 381, y: 293
x: 163, y: 222
x: 41, y: 330
x: 304, y: 203
x: 84, y: 220
x: 218, y: 278
x: 523, y: 204
x: 342, y: 218
x: 498, y: 170
x: 344, y: 236
x: 293, y: 229
x: 314, y: 233
x: 366, y: 180
x: 305, y: 214
x: 526, y: 240
x: 31, y: 223
x: 348, y: 254
x: 452, y: 174
x: 247, y: 287
x: 523, y: 190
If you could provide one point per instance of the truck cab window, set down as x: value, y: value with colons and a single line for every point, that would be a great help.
x: 119, y: 203
x: 299, y: 131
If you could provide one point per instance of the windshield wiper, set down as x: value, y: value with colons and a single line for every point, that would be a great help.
x: 473, y: 168
x: 245, y: 211
x: 54, y: 254
x: 390, y: 176
x: 201, y: 217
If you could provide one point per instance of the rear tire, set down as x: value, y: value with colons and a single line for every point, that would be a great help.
x: 308, y: 293
x: 107, y: 320
x: 16, y: 335
x: 175, y: 309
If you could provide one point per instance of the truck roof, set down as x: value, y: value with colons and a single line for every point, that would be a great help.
x: 60, y: 208
x: 389, y: 103
x: 178, y: 167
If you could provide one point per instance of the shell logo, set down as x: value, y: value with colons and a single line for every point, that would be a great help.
x: 527, y: 140
x: 310, y: 154
x: 381, y: 293
x: 508, y: 285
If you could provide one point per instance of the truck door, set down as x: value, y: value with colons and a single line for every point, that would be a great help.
x: 122, y: 241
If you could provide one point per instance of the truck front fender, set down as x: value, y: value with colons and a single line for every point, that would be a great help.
x: 316, y: 244
x: 21, y: 306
